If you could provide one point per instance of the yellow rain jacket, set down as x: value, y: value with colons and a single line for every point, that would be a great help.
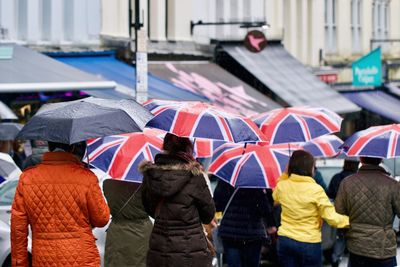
x: 304, y: 205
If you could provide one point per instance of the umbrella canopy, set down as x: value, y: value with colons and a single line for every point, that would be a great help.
x: 9, y: 130
x: 201, y: 120
x: 324, y: 146
x: 254, y: 166
x: 120, y: 155
x: 378, y: 141
x: 203, y: 148
x: 84, y: 119
x: 297, y: 124
x: 8, y: 168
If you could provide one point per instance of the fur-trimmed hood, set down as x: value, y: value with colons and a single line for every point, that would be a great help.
x: 168, y: 175
x: 194, y: 167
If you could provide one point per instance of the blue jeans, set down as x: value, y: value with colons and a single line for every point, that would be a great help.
x: 244, y: 255
x: 293, y: 253
x: 361, y: 261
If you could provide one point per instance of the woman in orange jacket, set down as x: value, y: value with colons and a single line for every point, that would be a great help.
x: 61, y: 200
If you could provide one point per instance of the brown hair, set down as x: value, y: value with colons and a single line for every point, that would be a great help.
x: 174, y: 144
x: 301, y: 163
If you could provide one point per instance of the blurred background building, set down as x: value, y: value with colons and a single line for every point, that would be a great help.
x: 311, y: 45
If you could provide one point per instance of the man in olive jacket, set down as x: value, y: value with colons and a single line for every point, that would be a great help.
x: 371, y: 198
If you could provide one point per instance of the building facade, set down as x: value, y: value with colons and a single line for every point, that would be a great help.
x: 317, y: 32
x: 51, y: 22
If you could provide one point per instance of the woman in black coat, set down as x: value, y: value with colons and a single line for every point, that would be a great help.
x: 245, y: 223
x: 175, y: 194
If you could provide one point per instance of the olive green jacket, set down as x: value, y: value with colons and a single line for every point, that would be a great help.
x: 127, y: 240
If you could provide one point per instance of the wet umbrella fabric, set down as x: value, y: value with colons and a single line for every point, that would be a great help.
x: 201, y: 120
x: 80, y: 120
x: 253, y: 166
x: 297, y: 124
x: 8, y: 169
x: 324, y: 146
x: 203, y: 148
x: 378, y: 141
x: 120, y: 155
x: 9, y: 130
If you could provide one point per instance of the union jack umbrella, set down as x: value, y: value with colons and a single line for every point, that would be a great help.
x: 378, y: 141
x: 324, y: 146
x: 253, y: 166
x: 297, y: 124
x: 203, y: 148
x: 120, y: 155
x: 201, y: 120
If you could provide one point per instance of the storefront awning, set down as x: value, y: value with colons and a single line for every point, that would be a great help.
x: 393, y: 89
x: 289, y: 79
x: 377, y: 102
x: 105, y: 65
x: 219, y: 86
x: 25, y: 70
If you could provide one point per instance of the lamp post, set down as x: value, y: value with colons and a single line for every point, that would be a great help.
x: 141, y: 85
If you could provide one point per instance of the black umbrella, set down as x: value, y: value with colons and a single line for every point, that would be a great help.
x: 80, y: 120
x: 9, y: 130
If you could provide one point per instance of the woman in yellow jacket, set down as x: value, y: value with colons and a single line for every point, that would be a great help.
x: 304, y: 205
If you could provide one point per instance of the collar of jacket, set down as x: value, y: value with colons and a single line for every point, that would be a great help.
x: 60, y: 157
x: 301, y: 178
x: 369, y: 168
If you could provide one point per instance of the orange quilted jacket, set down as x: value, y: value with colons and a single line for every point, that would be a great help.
x: 61, y: 200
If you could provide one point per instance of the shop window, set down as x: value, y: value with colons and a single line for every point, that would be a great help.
x: 330, y: 26
x: 356, y: 25
x: 380, y: 22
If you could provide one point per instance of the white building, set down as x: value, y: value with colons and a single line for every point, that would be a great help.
x: 51, y: 22
x: 317, y: 32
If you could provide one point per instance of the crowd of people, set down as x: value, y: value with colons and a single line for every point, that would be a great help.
x: 61, y: 200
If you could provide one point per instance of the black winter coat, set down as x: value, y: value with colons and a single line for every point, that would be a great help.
x: 247, y: 215
x: 184, y: 202
x: 335, y: 183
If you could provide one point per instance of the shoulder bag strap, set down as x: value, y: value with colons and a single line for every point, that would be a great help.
x: 125, y: 204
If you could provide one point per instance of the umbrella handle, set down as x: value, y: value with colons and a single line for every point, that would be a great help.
x: 87, y: 157
x: 244, y: 148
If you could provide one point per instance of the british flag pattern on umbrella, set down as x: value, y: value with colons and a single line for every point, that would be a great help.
x: 297, y: 124
x: 324, y: 146
x: 253, y: 166
x: 203, y: 148
x: 201, y: 120
x: 378, y: 141
x: 120, y: 155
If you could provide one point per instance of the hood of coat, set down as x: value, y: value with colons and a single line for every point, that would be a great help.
x: 168, y: 174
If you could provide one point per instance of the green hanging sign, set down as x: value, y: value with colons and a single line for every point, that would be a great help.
x: 367, y: 71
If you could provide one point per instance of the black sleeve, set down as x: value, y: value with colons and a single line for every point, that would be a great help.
x: 333, y: 187
x: 148, y: 200
x: 203, y: 200
x: 266, y: 204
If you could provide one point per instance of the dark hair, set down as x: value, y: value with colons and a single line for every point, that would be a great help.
x: 301, y: 163
x: 174, y: 144
x: 54, y: 145
x: 78, y: 149
x: 350, y: 165
x: 370, y: 160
